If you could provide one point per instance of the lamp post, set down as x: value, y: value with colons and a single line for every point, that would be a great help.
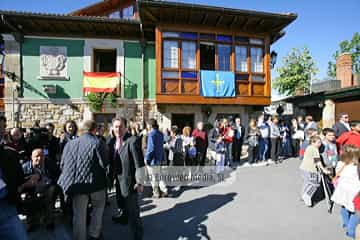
x: 10, y: 75
x: 273, y: 58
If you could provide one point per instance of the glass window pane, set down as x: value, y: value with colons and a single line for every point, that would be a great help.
x: 242, y: 39
x: 242, y: 77
x: 257, y: 60
x: 256, y: 41
x: 166, y: 74
x: 188, y: 55
x: 189, y: 75
x: 170, y: 54
x: 224, y: 54
x: 189, y: 35
x: 128, y: 12
x: 224, y: 38
x: 205, y: 36
x: 257, y: 78
x: 241, y: 58
x: 170, y: 34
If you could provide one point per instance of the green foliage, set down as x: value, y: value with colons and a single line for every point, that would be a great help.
x: 97, y: 100
x: 351, y: 46
x: 296, y: 71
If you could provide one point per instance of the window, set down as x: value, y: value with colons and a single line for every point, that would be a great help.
x: 128, y: 12
x: 188, y: 55
x: 115, y: 15
x: 241, y: 58
x: 207, y: 56
x: 224, y: 55
x: 170, y: 54
x: 257, y: 60
x: 104, y: 60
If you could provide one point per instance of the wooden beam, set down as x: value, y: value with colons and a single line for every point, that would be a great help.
x: 158, y: 54
x: 205, y: 29
x: 267, y: 68
x: 189, y: 18
x: 196, y: 99
x: 234, y: 20
x: 218, y: 21
x: 205, y: 18
x: 150, y: 15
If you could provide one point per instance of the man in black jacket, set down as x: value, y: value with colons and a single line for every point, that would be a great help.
x: 131, y: 175
x: 83, y: 176
x: 114, y: 145
x: 239, y: 133
x: 11, y: 178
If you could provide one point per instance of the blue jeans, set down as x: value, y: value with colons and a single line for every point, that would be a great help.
x: 228, y: 154
x: 263, y: 148
x: 12, y: 228
x: 350, y: 221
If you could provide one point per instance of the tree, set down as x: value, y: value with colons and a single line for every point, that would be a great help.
x: 352, y: 47
x: 296, y: 72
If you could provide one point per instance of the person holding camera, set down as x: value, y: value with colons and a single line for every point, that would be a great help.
x: 11, y: 177
x: 17, y: 142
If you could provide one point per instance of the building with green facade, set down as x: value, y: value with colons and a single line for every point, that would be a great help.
x: 161, y: 50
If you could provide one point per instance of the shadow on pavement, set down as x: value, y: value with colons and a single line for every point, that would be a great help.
x: 185, y: 220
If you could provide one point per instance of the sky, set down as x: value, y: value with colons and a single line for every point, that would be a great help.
x: 321, y: 24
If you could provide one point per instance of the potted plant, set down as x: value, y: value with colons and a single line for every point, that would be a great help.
x: 97, y: 100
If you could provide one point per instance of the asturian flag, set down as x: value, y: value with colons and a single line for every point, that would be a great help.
x: 100, y: 81
x: 217, y: 84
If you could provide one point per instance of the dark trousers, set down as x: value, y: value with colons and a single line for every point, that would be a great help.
x: 119, y: 198
x: 237, y: 145
x: 252, y: 156
x: 132, y: 210
x: 295, y: 146
x: 275, y: 149
x: 201, y: 158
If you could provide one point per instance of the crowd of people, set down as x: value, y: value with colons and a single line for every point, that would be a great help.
x: 38, y: 168
x: 330, y: 166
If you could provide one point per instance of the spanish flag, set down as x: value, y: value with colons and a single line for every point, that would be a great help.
x: 100, y: 81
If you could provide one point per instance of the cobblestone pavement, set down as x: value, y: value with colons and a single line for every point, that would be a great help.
x: 262, y: 203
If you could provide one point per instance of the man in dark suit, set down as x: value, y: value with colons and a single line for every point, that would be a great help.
x: 114, y: 145
x: 342, y: 125
x: 130, y: 176
x: 238, y: 139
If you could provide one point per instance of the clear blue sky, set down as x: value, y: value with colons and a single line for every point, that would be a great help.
x: 321, y: 25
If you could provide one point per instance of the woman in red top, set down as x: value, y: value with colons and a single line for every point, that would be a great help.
x: 227, y: 132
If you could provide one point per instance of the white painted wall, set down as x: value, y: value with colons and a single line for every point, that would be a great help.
x: 91, y: 44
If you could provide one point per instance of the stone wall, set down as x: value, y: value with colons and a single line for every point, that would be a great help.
x: 57, y: 114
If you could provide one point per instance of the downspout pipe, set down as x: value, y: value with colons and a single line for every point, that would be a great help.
x: 143, y: 50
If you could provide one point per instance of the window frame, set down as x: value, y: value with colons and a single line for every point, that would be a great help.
x: 237, y: 40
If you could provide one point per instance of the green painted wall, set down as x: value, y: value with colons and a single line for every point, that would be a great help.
x: 150, y: 72
x: 133, y: 71
x: 31, y: 62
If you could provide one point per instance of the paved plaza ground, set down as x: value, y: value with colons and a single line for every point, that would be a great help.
x: 262, y: 203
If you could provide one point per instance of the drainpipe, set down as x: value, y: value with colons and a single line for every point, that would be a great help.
x: 143, y: 49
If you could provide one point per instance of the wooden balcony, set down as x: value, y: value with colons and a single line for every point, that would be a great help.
x: 186, y: 91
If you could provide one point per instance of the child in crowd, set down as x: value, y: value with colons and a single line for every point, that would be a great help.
x: 308, y: 134
x: 329, y: 153
x: 310, y: 174
x: 220, y: 150
x: 347, y: 187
